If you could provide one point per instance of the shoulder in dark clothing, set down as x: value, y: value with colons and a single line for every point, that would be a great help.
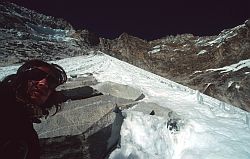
x: 15, y: 125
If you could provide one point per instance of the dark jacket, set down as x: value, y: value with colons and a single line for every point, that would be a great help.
x: 17, y: 135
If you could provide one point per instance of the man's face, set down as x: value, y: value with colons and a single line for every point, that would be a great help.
x: 38, y: 90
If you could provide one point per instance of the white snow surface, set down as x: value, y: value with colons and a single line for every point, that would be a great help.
x: 212, y: 129
x: 233, y: 67
x: 202, y: 52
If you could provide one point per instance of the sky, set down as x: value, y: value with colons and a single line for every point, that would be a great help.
x: 145, y: 19
x: 206, y: 128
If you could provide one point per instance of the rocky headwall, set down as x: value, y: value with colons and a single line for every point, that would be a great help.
x: 187, y: 59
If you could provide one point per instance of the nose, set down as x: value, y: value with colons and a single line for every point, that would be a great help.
x: 43, y: 82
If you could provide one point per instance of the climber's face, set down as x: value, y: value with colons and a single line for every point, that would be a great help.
x: 40, y: 85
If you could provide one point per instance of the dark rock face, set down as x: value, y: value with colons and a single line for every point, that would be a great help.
x: 187, y: 59
x: 16, y: 17
x: 25, y: 34
x: 128, y: 48
x: 247, y: 23
x: 86, y: 37
x: 77, y: 146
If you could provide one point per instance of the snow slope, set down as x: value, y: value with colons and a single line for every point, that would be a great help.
x: 210, y: 129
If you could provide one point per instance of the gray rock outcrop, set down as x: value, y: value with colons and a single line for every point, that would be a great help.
x: 82, y: 128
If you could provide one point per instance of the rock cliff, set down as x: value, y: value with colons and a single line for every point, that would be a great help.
x: 193, y: 61
x: 25, y: 34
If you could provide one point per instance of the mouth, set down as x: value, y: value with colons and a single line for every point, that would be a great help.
x: 38, y: 92
x: 35, y: 95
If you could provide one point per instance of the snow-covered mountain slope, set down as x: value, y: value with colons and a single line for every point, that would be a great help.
x: 207, y: 128
x: 212, y: 128
x: 185, y: 59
